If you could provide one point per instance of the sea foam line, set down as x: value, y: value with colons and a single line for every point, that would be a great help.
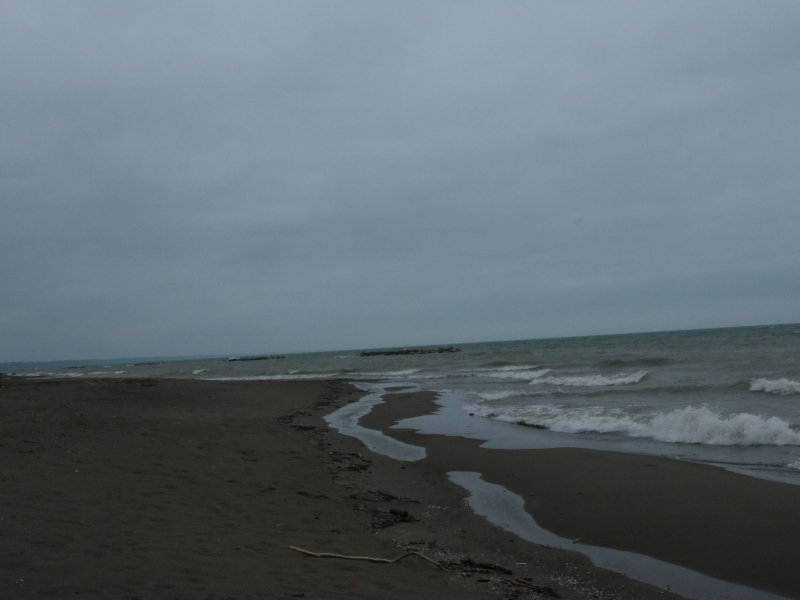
x: 592, y: 380
x: 690, y: 425
x: 281, y: 377
x: 780, y: 387
x: 518, y: 374
x: 525, y: 372
x: 386, y: 374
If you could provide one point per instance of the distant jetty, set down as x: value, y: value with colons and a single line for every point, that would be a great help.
x: 259, y: 357
x: 439, y: 350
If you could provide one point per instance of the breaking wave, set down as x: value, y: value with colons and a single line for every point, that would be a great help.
x: 515, y: 372
x: 498, y: 395
x: 386, y: 374
x: 282, y: 377
x: 592, y: 380
x: 690, y: 425
x: 536, y: 375
x: 780, y: 387
x: 518, y: 374
x: 101, y: 373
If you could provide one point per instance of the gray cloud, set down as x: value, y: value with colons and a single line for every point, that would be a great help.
x: 191, y: 177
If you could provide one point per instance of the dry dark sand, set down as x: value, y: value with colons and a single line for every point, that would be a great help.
x: 188, y: 489
x: 722, y: 524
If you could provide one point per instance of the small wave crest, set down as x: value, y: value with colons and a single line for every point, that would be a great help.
x: 387, y: 374
x: 779, y: 387
x: 516, y: 372
x: 690, y: 425
x: 281, y: 377
x: 101, y: 373
x: 498, y: 395
x: 592, y: 380
x: 49, y: 374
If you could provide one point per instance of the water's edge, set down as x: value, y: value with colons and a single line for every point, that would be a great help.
x: 505, y: 509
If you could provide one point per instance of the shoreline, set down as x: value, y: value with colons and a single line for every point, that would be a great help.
x: 725, y: 525
x: 159, y: 488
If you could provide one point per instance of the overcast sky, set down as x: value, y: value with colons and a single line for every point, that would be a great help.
x: 205, y: 177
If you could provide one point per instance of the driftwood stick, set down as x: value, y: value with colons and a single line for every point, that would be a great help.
x: 545, y: 590
x: 366, y: 558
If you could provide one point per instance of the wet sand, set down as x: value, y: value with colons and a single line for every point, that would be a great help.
x: 716, y: 522
x: 190, y: 489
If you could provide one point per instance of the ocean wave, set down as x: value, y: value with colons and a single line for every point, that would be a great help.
x: 387, y: 374
x: 50, y: 374
x: 498, y: 395
x: 294, y: 374
x: 690, y: 425
x: 780, y: 387
x: 504, y: 366
x: 281, y: 377
x: 592, y: 380
x: 101, y: 373
x: 518, y: 374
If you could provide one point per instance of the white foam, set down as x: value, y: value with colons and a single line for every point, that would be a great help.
x: 780, y: 387
x: 53, y: 374
x: 518, y: 374
x: 388, y: 374
x: 508, y: 372
x: 592, y: 380
x: 282, y: 377
x: 705, y: 426
x: 690, y: 425
x: 101, y: 373
x: 499, y: 395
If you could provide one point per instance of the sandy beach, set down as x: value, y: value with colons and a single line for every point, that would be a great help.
x: 191, y: 489
x: 725, y: 525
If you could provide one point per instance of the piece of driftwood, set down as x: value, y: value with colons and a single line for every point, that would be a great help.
x: 366, y: 558
x: 470, y: 564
